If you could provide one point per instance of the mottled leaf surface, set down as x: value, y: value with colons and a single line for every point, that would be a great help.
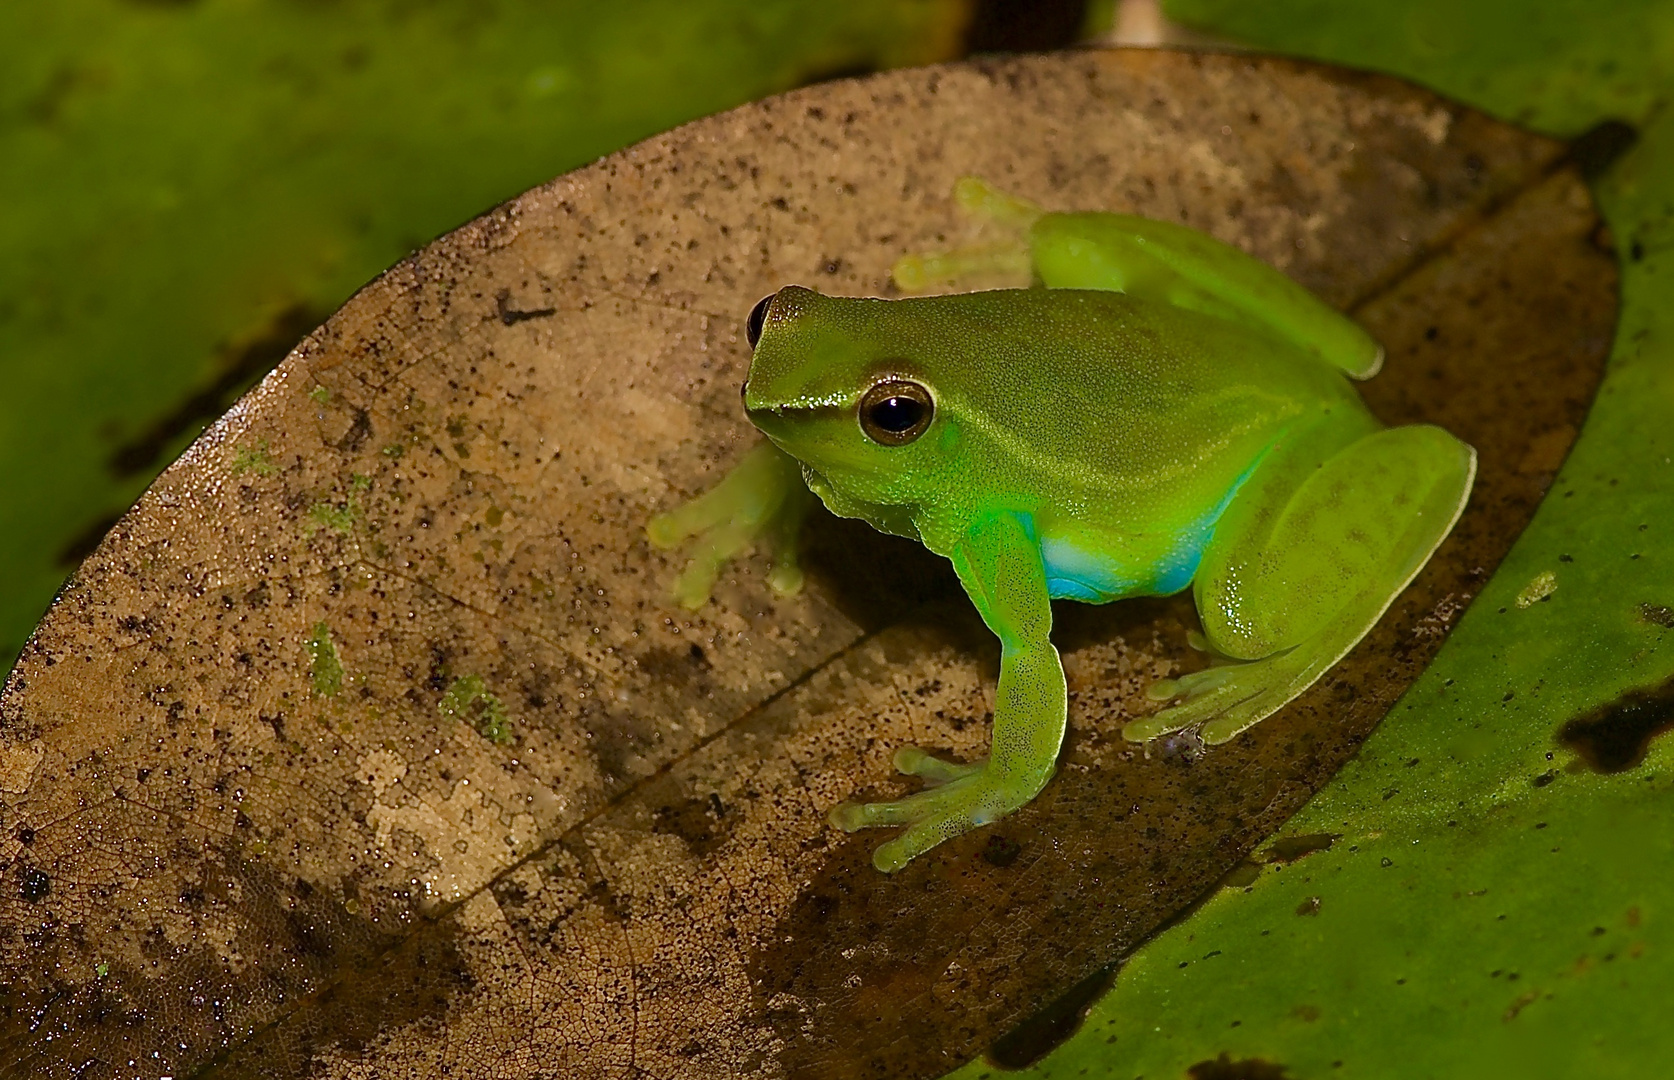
x: 187, y: 187
x: 371, y: 740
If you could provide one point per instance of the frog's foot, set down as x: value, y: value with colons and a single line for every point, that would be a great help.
x: 760, y: 502
x: 957, y: 799
x: 1225, y: 699
x: 981, y: 200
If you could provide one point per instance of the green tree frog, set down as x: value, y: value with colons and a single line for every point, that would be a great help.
x: 1166, y: 412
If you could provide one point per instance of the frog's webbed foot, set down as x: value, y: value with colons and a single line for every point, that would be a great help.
x: 761, y: 501
x: 1225, y: 699
x: 978, y: 199
x: 957, y: 798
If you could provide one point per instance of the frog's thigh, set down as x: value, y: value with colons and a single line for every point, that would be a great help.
x: 1292, y: 594
x: 1346, y: 542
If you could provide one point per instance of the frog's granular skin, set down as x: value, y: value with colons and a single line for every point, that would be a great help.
x: 210, y: 864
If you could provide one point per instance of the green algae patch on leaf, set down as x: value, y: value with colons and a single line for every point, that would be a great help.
x: 1499, y: 900
x: 189, y: 188
x: 1560, y: 66
x: 642, y: 875
x: 468, y: 699
x: 325, y: 670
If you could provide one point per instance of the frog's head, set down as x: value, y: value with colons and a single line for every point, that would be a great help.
x: 837, y: 383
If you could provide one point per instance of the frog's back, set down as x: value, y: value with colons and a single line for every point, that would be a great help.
x: 1098, y: 395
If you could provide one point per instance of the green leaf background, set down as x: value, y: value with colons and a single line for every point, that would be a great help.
x: 1489, y: 904
x: 186, y: 188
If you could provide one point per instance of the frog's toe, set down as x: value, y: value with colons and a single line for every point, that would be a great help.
x: 931, y: 769
x: 1163, y: 690
x: 785, y: 578
x: 1213, y: 680
x: 959, y: 804
x: 892, y: 855
x: 665, y: 532
x: 907, y: 810
x: 1236, y: 720
x: 1203, y: 696
x: 695, y: 583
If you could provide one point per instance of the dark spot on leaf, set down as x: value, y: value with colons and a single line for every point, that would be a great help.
x: 33, y: 884
x: 1000, y: 850
x: 674, y: 665
x: 1309, y: 906
x: 1616, y: 737
x: 1037, y: 1036
x: 1657, y: 614
x: 1600, y: 145
x: 511, y: 316
x: 25, y: 835
x: 1545, y: 778
x: 695, y: 821
x: 1290, y: 848
x: 358, y: 432
x: 1224, y: 1068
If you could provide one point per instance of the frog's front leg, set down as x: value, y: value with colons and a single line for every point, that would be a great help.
x: 1305, y: 561
x: 762, y: 500
x: 1000, y: 565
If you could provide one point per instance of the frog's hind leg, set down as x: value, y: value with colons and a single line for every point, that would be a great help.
x: 981, y: 200
x: 1289, y: 586
x: 1182, y: 267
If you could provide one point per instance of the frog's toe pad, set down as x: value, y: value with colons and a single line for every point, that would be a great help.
x: 914, y: 761
x: 785, y: 579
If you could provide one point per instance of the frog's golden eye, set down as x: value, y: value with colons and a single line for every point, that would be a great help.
x: 758, y: 315
x: 895, y: 412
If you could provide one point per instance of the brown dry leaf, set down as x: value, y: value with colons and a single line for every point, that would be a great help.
x: 370, y: 742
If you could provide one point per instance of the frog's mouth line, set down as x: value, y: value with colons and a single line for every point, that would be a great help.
x: 782, y: 419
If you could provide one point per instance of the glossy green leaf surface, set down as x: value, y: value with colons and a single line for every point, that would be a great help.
x: 187, y: 188
x: 1490, y: 904
x: 1559, y: 66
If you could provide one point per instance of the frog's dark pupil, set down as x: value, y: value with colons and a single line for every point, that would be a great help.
x: 758, y: 315
x: 894, y: 412
x: 897, y: 414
